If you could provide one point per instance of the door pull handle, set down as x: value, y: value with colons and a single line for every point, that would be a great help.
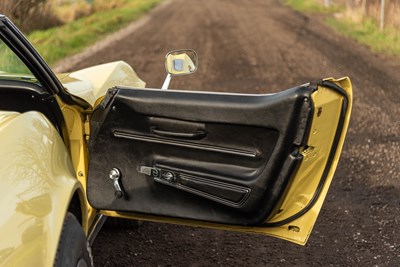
x: 193, y: 136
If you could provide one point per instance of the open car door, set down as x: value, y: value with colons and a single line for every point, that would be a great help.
x: 252, y: 163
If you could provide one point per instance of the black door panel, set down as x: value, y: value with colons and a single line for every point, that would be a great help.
x: 223, y: 158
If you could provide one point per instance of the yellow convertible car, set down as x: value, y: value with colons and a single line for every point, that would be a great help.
x: 80, y: 147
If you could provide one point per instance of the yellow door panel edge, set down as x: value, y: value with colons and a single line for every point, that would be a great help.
x: 327, y: 109
x: 77, y: 124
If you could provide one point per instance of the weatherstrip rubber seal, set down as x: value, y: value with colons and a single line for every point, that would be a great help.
x: 331, y: 157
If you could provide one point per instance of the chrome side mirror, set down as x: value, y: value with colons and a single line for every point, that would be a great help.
x: 179, y: 62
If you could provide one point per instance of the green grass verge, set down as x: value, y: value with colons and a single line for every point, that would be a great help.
x: 310, y: 6
x: 366, y: 32
x: 59, y: 42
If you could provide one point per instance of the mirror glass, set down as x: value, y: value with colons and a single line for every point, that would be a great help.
x: 181, y: 62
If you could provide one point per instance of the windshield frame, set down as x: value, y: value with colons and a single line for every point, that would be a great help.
x: 18, y: 43
x: 21, y: 47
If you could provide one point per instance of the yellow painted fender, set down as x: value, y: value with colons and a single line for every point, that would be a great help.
x: 37, y: 182
x: 93, y: 83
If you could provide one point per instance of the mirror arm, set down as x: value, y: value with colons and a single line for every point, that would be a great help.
x: 166, y: 82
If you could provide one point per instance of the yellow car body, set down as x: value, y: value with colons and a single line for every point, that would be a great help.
x: 44, y: 174
x: 37, y: 186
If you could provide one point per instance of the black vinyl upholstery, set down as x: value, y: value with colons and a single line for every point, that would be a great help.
x: 233, y: 155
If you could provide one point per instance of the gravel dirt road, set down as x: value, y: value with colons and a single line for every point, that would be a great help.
x: 262, y: 46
